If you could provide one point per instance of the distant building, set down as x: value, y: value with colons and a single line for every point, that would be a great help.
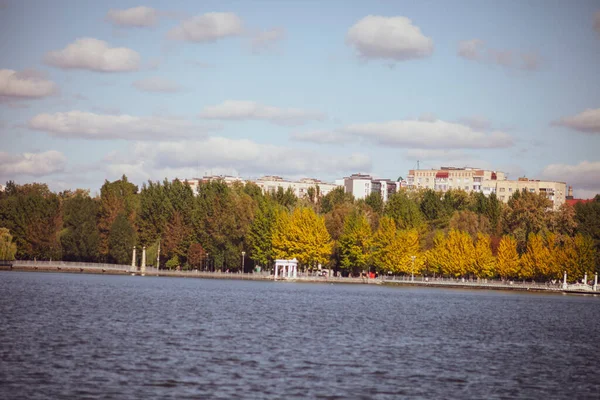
x: 572, y: 201
x: 2, y: 188
x: 194, y: 183
x: 271, y: 184
x: 484, y: 181
x: 362, y: 185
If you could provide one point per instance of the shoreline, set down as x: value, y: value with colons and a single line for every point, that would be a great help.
x: 94, y: 270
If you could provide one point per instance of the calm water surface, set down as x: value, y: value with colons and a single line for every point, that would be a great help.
x: 90, y: 336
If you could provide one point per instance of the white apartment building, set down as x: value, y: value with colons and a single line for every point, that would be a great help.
x: 300, y: 188
x: 483, y: 181
x: 362, y: 185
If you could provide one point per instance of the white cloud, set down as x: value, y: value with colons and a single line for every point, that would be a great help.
x: 267, y: 40
x: 585, y: 175
x: 231, y: 156
x: 208, y: 28
x: 139, y: 17
x: 597, y: 21
x: 33, y: 164
x: 587, y: 121
x: 476, y: 50
x: 435, y: 155
x: 156, y: 84
x: 476, y: 122
x: 470, y: 49
x: 94, y: 55
x: 28, y: 83
x: 86, y: 125
x: 419, y: 134
x: 321, y: 137
x: 249, y: 110
x: 393, y: 38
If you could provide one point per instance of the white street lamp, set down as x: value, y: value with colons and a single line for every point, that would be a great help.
x: 412, y: 271
x: 243, y: 256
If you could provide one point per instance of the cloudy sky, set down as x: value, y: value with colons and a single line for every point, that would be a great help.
x: 92, y: 90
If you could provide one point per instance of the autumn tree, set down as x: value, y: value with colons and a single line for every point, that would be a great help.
x: 526, y: 213
x: 453, y: 254
x: 535, y: 263
x: 508, y: 261
x: 118, y: 197
x: 484, y: 265
x: 196, y: 255
x: 301, y: 235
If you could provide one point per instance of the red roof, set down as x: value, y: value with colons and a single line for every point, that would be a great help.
x: 572, y: 202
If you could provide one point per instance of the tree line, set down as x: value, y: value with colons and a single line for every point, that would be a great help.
x: 455, y: 233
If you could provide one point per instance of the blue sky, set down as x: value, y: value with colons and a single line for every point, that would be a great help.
x: 93, y: 90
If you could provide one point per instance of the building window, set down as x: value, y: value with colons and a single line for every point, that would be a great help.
x: 501, y: 189
x: 466, y: 188
x: 509, y: 190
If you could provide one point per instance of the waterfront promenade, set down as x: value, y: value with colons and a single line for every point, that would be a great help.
x: 96, y: 268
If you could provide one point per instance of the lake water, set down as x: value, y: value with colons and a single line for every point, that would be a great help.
x: 92, y: 336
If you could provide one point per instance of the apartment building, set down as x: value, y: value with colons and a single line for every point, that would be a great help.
x: 484, y: 181
x: 554, y: 191
x: 300, y: 188
x: 362, y: 185
x: 446, y: 178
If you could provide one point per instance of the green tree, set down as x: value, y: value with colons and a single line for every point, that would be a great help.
x: 260, y: 234
x: 8, y: 248
x: 80, y: 238
x: 471, y: 222
x: 404, y: 211
x: 121, y: 240
x: 33, y: 214
x: 587, y: 217
x: 375, y: 201
x: 355, y: 243
x: 335, y: 197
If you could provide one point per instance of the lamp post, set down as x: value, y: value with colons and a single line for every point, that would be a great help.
x: 412, y: 271
x: 207, y: 262
x: 158, y: 258
x: 243, y: 256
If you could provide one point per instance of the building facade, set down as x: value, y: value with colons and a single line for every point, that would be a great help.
x: 362, y: 185
x: 271, y: 183
x: 484, y: 181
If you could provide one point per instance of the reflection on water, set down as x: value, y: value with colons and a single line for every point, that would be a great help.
x: 91, y: 336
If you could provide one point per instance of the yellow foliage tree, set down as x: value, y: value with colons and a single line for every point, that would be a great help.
x: 453, y: 254
x: 393, y: 249
x: 407, y: 246
x: 485, y: 262
x: 383, y: 241
x: 301, y: 235
x: 578, y: 257
x: 535, y: 263
x: 507, y: 264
